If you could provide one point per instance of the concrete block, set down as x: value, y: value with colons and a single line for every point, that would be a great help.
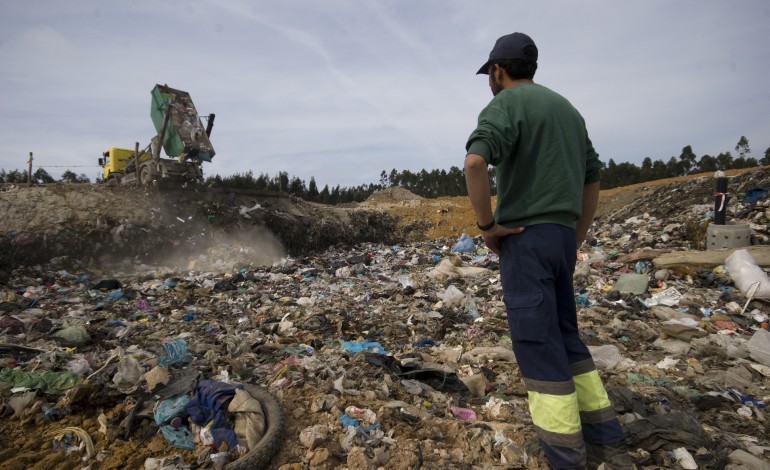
x: 730, y: 235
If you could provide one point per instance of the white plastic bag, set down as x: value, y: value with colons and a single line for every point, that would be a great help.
x: 451, y: 296
x: 759, y: 346
x: 747, y: 276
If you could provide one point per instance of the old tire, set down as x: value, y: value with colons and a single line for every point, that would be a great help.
x: 268, y: 446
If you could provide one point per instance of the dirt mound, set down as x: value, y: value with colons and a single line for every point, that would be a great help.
x: 393, y: 194
x: 419, y: 218
x: 98, y: 222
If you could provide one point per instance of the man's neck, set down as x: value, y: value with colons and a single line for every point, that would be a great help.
x: 512, y: 83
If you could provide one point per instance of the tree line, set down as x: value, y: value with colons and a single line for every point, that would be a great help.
x: 624, y: 174
x: 439, y: 182
x: 295, y: 186
x: 41, y: 176
x: 428, y: 184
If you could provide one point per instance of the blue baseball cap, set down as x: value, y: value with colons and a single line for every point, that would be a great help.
x: 511, y: 46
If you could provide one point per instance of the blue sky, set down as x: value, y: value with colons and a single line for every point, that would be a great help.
x: 341, y: 90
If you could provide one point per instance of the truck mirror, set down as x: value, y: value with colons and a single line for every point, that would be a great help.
x: 101, y: 162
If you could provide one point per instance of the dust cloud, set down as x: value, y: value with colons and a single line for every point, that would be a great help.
x: 209, y: 250
x: 225, y: 251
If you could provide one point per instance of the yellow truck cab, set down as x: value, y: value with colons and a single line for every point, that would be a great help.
x: 114, y: 161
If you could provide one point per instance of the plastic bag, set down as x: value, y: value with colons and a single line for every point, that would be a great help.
x: 759, y: 347
x: 464, y: 414
x: 464, y: 245
x: 747, y: 276
x: 365, y: 345
x: 128, y: 375
x: 176, y: 350
x: 451, y: 296
x: 72, y: 335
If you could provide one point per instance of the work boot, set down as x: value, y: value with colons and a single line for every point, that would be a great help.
x: 614, y: 456
x: 534, y: 449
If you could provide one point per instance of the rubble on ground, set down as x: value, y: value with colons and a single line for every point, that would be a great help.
x: 108, y: 223
x: 386, y: 355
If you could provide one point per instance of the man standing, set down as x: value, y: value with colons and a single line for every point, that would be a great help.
x: 547, y: 193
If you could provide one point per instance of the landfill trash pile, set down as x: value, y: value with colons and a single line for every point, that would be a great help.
x: 675, y: 215
x: 381, y: 355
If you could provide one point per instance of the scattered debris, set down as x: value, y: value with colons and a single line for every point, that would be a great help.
x: 380, y: 353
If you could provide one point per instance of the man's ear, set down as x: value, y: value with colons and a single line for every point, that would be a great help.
x: 495, y: 69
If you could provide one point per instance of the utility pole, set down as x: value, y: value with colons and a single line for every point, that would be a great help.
x: 29, y: 172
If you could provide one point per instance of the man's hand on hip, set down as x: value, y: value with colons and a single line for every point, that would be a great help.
x: 494, y: 236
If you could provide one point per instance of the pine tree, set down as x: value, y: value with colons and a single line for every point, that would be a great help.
x: 312, y: 190
x: 687, y: 160
x: 742, y: 147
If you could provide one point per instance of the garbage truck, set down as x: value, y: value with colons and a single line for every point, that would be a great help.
x: 180, y: 133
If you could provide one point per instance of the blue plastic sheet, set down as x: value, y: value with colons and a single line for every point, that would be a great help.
x: 464, y: 245
x: 176, y: 353
x: 349, y: 421
x: 179, y: 437
x: 365, y: 345
x: 642, y: 267
x: 117, y: 294
x: 747, y: 400
x: 754, y: 194
x: 170, y: 408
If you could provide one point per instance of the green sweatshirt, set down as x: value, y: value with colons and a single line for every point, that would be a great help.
x: 540, y: 147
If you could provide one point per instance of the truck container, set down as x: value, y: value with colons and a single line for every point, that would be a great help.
x: 184, y: 133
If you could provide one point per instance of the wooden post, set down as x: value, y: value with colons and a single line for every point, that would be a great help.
x: 136, y: 164
x: 720, y: 198
x: 29, y: 171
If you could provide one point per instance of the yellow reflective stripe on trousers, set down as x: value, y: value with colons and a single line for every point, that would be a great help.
x: 555, y: 413
x: 591, y: 394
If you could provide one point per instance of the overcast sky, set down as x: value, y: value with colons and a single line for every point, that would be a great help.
x: 341, y: 90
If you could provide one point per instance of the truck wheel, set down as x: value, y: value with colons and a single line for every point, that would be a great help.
x: 145, y: 176
x: 114, y: 178
x: 271, y: 442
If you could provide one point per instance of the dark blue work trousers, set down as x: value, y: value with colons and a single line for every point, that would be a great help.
x: 567, y: 401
